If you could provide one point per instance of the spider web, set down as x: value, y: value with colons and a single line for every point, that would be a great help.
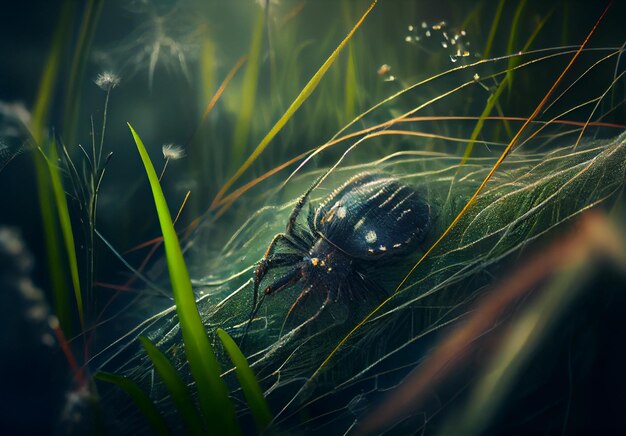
x: 542, y: 185
x: 534, y: 192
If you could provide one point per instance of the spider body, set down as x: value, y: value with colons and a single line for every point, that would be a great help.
x: 371, y: 219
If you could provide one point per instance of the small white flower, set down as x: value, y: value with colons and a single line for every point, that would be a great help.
x: 172, y: 151
x: 107, y: 80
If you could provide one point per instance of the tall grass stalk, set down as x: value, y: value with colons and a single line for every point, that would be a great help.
x: 213, y: 393
x: 88, y: 26
x: 248, y: 92
x: 494, y: 98
x: 47, y: 201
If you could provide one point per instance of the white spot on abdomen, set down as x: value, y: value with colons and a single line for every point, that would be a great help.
x: 371, y: 237
x: 341, y: 212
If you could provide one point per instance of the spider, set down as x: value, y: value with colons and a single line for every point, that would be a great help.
x: 371, y: 219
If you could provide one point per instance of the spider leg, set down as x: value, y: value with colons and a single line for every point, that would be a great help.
x: 302, y: 326
x: 300, y: 204
x: 305, y: 293
x: 310, y: 219
x: 291, y: 278
x: 267, y: 261
x: 252, y: 316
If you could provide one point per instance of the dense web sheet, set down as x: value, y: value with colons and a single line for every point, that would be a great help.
x: 538, y: 188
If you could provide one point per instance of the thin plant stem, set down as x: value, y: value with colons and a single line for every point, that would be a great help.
x: 163, y: 170
x: 104, y: 124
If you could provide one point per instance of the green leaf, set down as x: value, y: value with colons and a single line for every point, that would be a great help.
x: 249, y: 384
x: 175, y: 385
x: 213, y: 393
x: 140, y: 398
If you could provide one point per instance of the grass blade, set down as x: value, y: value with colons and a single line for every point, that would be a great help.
x: 215, y: 404
x: 56, y: 268
x: 175, y: 385
x: 140, y: 398
x: 41, y: 108
x: 249, y: 384
x: 249, y: 92
x: 66, y: 228
x: 492, y: 31
x: 88, y: 27
x: 494, y: 98
x: 295, y: 105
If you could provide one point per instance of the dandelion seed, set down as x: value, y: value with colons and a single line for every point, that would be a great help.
x: 384, y: 69
x: 107, y: 81
x: 172, y: 152
x: 166, y: 35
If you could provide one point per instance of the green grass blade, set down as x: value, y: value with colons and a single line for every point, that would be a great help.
x: 249, y: 384
x: 510, y: 46
x: 295, y: 105
x: 45, y: 94
x: 140, y: 398
x: 350, y: 93
x: 493, y: 99
x: 249, y: 92
x: 56, y: 268
x: 175, y: 385
x: 66, y: 228
x: 212, y: 391
x: 88, y: 27
x: 494, y: 27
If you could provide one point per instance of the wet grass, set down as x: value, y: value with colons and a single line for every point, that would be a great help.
x: 249, y: 177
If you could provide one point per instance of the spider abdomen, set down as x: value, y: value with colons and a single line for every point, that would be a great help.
x: 373, y: 216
